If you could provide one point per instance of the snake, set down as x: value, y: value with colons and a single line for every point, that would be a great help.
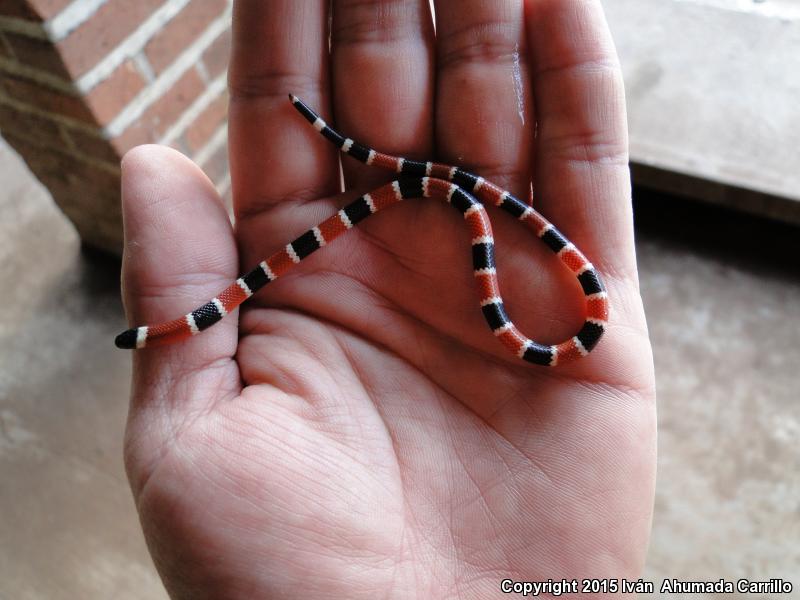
x: 466, y: 192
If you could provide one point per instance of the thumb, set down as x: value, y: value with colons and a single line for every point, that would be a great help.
x: 179, y: 252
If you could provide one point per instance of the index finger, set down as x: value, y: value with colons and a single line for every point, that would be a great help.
x: 279, y: 47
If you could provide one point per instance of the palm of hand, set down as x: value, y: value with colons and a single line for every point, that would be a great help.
x: 368, y: 436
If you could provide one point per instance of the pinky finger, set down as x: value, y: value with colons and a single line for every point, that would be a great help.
x: 581, y: 177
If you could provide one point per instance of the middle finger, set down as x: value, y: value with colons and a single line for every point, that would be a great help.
x: 382, y: 62
x: 484, y: 115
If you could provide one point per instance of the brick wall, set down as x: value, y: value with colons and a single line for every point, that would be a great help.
x: 82, y: 81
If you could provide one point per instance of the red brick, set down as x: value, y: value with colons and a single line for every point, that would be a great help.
x: 65, y: 174
x: 19, y: 9
x: 45, y: 98
x: 164, y: 111
x: 177, y: 144
x: 72, y: 193
x: 29, y: 126
x: 181, y: 32
x: 204, y: 126
x: 47, y: 9
x: 109, y: 97
x: 5, y: 48
x: 216, y: 167
x: 161, y: 114
x: 39, y: 54
x: 65, y: 156
x: 43, y: 164
x: 216, y: 57
x: 32, y: 10
x: 134, y: 135
x: 92, y: 145
x: 103, y: 32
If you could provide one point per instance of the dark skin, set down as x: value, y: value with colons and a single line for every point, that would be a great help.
x: 357, y: 432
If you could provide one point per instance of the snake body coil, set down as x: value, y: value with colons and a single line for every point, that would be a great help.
x: 465, y: 192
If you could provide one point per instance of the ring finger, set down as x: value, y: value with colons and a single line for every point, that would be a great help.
x: 484, y: 115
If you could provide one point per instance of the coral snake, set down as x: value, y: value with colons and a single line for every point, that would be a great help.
x: 465, y: 192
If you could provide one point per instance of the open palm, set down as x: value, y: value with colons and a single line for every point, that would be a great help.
x: 359, y: 432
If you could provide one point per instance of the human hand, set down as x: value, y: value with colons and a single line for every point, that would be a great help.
x: 359, y: 432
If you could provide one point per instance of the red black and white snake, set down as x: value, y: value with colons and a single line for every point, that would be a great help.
x: 466, y: 192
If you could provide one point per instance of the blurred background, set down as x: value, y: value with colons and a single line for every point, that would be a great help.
x: 713, y: 89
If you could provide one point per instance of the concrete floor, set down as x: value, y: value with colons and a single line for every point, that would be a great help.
x: 712, y: 88
x: 724, y: 312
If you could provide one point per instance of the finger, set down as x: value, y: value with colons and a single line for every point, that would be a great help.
x: 279, y: 47
x: 382, y: 57
x: 179, y: 253
x: 582, y: 176
x: 484, y: 117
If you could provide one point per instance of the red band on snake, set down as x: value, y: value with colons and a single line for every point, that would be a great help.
x: 464, y: 191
